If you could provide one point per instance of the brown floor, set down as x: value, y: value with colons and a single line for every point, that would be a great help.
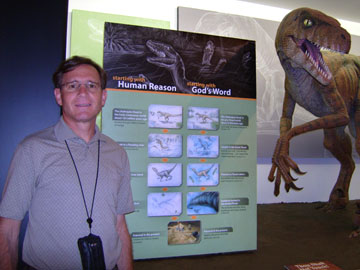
x: 287, y: 234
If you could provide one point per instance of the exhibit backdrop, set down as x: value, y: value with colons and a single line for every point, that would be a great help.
x: 270, y: 77
x: 183, y: 105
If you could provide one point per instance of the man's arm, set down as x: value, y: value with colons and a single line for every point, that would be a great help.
x: 9, y: 237
x: 125, y: 261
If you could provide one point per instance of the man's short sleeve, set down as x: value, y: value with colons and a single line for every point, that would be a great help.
x: 19, y: 185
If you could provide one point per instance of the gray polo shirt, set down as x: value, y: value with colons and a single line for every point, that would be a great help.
x: 42, y: 180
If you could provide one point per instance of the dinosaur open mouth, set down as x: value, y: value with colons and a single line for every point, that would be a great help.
x: 312, y: 52
x: 162, y: 52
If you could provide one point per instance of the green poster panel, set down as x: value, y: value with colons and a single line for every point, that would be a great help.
x: 187, y: 204
x: 183, y: 105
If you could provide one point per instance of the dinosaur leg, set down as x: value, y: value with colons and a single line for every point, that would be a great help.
x: 339, y: 144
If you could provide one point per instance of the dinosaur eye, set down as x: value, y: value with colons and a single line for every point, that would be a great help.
x: 308, y: 23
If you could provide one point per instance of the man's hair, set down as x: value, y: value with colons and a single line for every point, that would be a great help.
x: 73, y: 62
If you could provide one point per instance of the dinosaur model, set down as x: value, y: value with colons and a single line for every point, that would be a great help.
x: 324, y: 79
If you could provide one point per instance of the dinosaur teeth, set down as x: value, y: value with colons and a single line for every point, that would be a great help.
x: 315, y: 63
x: 324, y: 49
x: 319, y: 64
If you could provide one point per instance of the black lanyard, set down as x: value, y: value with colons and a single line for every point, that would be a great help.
x: 89, y: 219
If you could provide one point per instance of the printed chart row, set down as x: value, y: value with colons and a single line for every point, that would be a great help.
x: 170, y: 116
x: 161, y: 204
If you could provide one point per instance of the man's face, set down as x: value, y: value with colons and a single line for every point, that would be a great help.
x: 80, y: 104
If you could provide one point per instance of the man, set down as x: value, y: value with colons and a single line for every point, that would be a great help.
x: 71, y: 179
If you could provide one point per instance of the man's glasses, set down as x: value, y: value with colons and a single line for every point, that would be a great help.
x: 75, y: 86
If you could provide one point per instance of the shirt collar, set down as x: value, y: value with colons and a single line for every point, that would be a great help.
x: 64, y: 132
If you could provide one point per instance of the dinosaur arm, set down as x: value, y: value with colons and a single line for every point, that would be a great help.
x: 282, y: 163
x: 287, y: 113
x: 279, y: 167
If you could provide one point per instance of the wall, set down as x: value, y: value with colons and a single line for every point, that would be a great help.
x: 32, y: 45
x: 322, y: 173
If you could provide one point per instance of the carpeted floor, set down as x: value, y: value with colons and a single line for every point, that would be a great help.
x: 287, y: 234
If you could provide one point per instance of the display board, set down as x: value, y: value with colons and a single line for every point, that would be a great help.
x: 183, y: 106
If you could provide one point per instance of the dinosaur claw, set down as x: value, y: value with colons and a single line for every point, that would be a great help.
x: 294, y: 166
x: 298, y: 171
x: 292, y: 178
x: 293, y: 186
x: 281, y: 168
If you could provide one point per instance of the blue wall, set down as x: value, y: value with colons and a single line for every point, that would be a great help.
x: 32, y: 44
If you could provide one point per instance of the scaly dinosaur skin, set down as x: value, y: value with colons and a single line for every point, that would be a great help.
x: 324, y: 83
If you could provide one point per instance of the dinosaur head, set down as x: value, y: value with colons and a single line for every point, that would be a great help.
x: 165, y: 54
x: 301, y: 36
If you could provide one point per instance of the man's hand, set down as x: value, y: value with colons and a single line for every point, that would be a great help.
x: 9, y: 238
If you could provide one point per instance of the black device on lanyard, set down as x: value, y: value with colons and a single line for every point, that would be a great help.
x: 90, y: 247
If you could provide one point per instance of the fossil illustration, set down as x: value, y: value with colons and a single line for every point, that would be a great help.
x: 184, y: 232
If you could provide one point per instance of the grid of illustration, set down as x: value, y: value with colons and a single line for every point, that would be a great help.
x: 168, y: 174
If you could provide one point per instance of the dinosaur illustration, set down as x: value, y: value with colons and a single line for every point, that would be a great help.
x: 204, y: 117
x: 164, y: 173
x: 166, y: 116
x: 203, y: 145
x: 168, y: 58
x: 204, y: 173
x: 326, y: 83
x: 163, y: 146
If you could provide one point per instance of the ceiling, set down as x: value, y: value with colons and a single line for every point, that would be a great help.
x: 340, y: 9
